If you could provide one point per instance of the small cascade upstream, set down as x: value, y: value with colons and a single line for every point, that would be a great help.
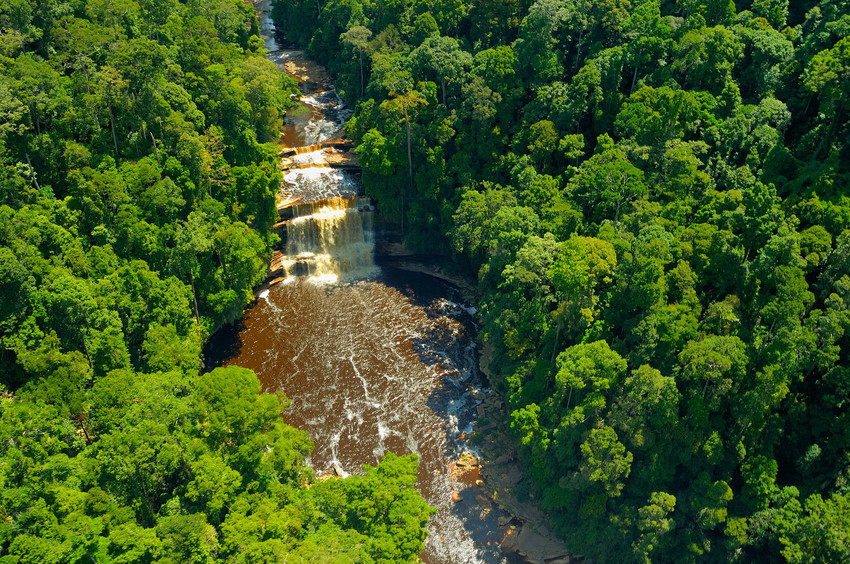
x: 320, y: 182
x: 326, y: 225
x: 373, y: 359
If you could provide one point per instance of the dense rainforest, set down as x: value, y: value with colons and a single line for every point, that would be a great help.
x: 137, y: 188
x: 655, y: 197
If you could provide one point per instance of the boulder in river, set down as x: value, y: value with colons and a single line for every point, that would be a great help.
x: 535, y: 547
x: 467, y: 460
x: 510, y: 540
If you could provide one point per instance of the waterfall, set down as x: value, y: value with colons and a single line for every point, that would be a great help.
x: 384, y: 364
x: 329, y: 234
x: 328, y: 224
x: 329, y: 240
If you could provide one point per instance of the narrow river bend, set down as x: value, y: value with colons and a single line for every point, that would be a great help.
x: 374, y: 359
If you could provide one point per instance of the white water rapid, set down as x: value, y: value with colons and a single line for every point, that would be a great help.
x: 373, y: 359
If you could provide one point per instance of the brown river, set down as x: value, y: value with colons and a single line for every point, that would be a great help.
x: 374, y: 359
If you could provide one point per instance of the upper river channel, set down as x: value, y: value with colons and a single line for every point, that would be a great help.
x: 374, y: 359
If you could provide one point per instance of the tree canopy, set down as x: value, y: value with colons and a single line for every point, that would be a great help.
x: 137, y: 188
x: 653, y: 194
x: 654, y: 197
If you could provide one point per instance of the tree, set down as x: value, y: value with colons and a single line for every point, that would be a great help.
x: 655, y: 116
x: 522, y: 312
x: 263, y: 89
x: 646, y: 409
x: 653, y: 524
x: 648, y: 35
x: 358, y: 38
x: 537, y: 41
x: 193, y: 241
x: 605, y: 461
x: 714, y: 368
x: 606, y: 182
x: 444, y: 58
x: 16, y: 283
x: 383, y: 506
x: 494, y: 22
x: 706, y: 56
x: 473, y: 232
x: 826, y: 75
x: 821, y: 535
x: 583, y: 267
x: 187, y: 538
x: 585, y: 371
x: 405, y: 102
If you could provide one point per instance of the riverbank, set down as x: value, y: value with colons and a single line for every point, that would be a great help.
x: 494, y: 478
x: 486, y: 490
x: 393, y: 253
x: 503, y: 484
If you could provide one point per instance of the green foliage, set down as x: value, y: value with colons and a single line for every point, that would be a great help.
x: 121, y: 138
x: 175, y: 468
x: 383, y: 506
x: 821, y: 535
x: 653, y: 183
x: 136, y: 198
x: 652, y: 194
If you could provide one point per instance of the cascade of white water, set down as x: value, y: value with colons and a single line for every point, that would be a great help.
x: 329, y: 240
x: 320, y: 182
x: 329, y: 232
x: 372, y: 366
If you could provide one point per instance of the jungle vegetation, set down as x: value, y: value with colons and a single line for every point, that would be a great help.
x: 654, y: 195
x: 137, y: 188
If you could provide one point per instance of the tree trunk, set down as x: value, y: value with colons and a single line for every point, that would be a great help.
x: 86, y: 349
x: 195, y: 298
x: 112, y: 127
x: 578, y: 51
x: 81, y: 421
x: 32, y: 173
x: 361, y: 73
x: 36, y: 121
x: 88, y: 91
x: 634, y: 76
x: 155, y: 151
x: 409, y: 167
x: 555, y: 346
x: 823, y: 148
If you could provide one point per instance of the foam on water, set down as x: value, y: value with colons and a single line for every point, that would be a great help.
x: 373, y: 362
x: 313, y: 157
x: 399, y: 370
x: 320, y: 130
x: 324, y: 100
x: 321, y: 183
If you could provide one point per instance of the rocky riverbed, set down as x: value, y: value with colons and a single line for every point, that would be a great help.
x: 494, y: 480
